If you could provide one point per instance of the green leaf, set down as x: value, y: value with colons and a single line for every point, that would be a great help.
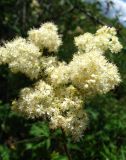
x: 56, y: 156
x: 40, y: 128
x: 4, y: 153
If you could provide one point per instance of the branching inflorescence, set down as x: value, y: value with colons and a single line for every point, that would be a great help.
x: 62, y: 89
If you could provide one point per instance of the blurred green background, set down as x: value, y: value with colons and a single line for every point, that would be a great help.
x: 22, y: 139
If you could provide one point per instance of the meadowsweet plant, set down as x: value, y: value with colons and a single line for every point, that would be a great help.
x: 61, y: 88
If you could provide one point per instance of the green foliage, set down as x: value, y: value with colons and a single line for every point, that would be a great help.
x: 105, y: 137
x: 57, y: 156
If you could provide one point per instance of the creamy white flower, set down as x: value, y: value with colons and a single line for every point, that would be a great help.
x: 33, y: 102
x: 92, y: 74
x: 60, y: 95
x: 104, y: 39
x: 21, y: 56
x: 46, y: 37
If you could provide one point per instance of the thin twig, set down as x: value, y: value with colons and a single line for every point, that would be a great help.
x: 65, y: 145
x: 91, y: 16
x: 29, y: 140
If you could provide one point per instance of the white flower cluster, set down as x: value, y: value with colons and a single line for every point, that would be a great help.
x: 68, y: 111
x: 60, y: 75
x: 104, y: 39
x: 21, y: 56
x: 92, y: 74
x: 24, y: 55
x: 63, y: 107
x: 46, y: 37
x: 62, y: 88
x: 33, y: 102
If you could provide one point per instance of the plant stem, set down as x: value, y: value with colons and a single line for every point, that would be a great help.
x: 65, y: 145
x: 29, y: 140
